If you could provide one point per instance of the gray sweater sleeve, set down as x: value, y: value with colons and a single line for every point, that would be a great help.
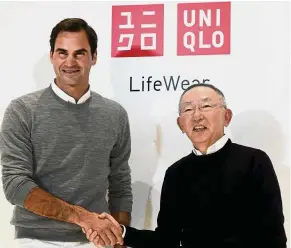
x: 16, y: 154
x: 120, y: 192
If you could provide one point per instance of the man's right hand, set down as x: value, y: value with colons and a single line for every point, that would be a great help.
x: 108, y: 231
x: 92, y: 235
x: 45, y: 204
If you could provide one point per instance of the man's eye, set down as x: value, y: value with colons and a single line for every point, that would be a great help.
x: 206, y: 106
x: 62, y: 54
x: 80, y: 54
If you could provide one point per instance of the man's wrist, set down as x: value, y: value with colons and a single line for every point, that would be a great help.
x: 78, y: 216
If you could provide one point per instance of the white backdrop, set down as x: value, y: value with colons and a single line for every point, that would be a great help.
x: 254, y: 77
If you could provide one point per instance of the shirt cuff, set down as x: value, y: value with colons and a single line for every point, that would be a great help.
x: 124, y: 231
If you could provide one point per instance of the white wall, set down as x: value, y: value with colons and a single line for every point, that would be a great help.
x: 254, y: 77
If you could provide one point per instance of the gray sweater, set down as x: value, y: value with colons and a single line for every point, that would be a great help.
x: 76, y: 152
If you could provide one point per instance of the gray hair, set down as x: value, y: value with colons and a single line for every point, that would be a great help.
x: 218, y: 91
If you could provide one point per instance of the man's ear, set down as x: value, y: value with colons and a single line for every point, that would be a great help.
x: 227, y: 117
x: 51, y: 56
x: 94, y: 58
x: 180, y: 124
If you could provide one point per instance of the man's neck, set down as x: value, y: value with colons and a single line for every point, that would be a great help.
x: 203, y: 147
x: 74, y: 91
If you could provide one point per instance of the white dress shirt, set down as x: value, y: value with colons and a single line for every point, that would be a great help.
x: 214, y: 147
x: 68, y: 98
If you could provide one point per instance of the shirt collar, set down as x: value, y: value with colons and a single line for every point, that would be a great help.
x: 63, y: 95
x: 214, y: 147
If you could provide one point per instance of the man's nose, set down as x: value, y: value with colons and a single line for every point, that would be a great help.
x: 197, y: 115
x: 70, y: 61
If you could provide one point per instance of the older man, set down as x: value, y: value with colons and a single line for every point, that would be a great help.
x: 222, y: 194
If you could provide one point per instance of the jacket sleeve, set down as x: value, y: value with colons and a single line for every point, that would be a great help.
x: 167, y: 233
x: 268, y: 218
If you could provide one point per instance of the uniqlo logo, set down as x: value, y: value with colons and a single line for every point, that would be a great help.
x: 203, y: 28
x: 137, y: 30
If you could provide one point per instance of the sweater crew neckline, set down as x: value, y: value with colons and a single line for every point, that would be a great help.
x: 221, y: 152
x: 69, y: 104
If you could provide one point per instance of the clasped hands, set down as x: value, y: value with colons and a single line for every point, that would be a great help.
x: 102, y: 230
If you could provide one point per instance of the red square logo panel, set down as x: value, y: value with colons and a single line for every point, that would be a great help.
x: 203, y: 28
x: 137, y: 30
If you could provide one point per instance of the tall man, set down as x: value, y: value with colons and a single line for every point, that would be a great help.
x: 220, y: 195
x: 63, y: 148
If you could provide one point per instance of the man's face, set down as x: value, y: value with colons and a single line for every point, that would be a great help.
x: 72, y: 59
x: 203, y: 116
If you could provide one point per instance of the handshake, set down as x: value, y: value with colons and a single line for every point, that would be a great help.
x: 101, y: 229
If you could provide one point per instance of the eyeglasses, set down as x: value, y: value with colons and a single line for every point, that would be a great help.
x: 189, y: 108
